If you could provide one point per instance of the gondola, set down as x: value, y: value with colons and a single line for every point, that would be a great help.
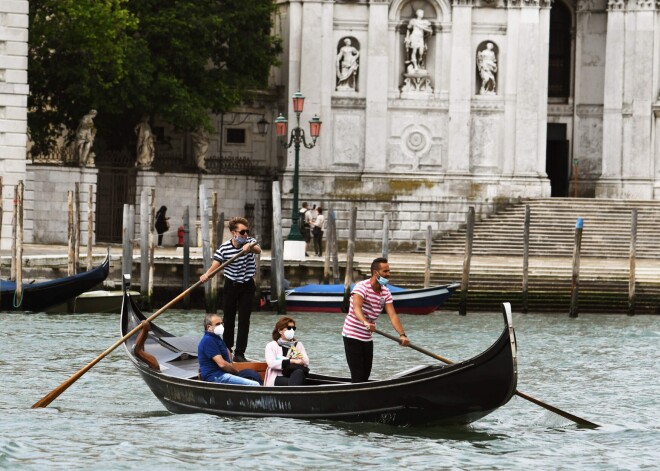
x: 38, y: 297
x: 456, y: 394
x: 330, y: 298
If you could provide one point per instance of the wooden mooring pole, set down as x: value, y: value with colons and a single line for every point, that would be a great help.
x: 186, y: 255
x: 18, y: 294
x: 328, y: 245
x: 77, y: 225
x: 71, y: 237
x: 206, y: 243
x: 152, y: 247
x: 525, y: 267
x: 212, y: 299
x: 633, y: 253
x: 350, y: 255
x: 90, y: 226
x: 575, y: 280
x: 14, y: 223
x: 386, y: 235
x: 144, y: 242
x: 429, y: 246
x: 333, y: 246
x: 277, y: 252
x: 127, y: 248
x: 469, y: 237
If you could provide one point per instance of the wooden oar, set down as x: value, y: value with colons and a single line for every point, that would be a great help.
x: 54, y: 394
x: 567, y: 415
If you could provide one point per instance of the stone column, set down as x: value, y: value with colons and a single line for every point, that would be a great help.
x: 13, y: 108
x: 613, y: 99
x: 460, y: 87
x: 376, y: 59
x: 527, y: 119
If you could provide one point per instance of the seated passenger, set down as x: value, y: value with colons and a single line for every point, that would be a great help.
x: 213, y: 355
x: 287, y: 360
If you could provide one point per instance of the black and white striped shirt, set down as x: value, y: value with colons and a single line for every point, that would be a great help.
x: 243, y: 268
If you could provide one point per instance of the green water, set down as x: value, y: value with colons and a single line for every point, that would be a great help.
x: 602, y: 368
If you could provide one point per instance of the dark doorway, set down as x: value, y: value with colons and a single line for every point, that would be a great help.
x: 115, y: 187
x: 556, y: 159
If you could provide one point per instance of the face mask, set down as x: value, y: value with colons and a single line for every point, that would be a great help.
x: 289, y: 334
x: 219, y: 330
x: 382, y: 281
x: 241, y: 240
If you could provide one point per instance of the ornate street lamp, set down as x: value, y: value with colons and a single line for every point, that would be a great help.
x: 297, y: 138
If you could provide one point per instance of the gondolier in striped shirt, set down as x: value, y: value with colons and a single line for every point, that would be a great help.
x: 239, y: 287
x: 368, y: 299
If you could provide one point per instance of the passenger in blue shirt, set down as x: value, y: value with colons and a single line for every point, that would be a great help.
x: 214, y: 358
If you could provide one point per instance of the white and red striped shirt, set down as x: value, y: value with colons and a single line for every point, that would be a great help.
x: 373, y: 303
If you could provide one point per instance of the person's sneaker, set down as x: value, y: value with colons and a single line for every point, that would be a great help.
x: 239, y: 358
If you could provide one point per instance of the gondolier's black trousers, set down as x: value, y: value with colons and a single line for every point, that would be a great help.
x: 237, y: 297
x: 360, y: 356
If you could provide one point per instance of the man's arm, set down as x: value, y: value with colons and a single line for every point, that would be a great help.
x: 357, y: 311
x: 396, y: 323
x: 225, y: 366
x: 205, y: 277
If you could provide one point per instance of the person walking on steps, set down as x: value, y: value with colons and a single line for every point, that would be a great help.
x: 239, y: 287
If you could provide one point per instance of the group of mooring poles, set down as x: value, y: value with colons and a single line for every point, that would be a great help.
x: 74, y: 224
x: 575, y: 277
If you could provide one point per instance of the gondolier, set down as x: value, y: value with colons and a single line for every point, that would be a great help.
x: 368, y: 299
x: 239, y: 286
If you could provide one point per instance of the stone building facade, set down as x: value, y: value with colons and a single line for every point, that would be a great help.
x: 428, y: 107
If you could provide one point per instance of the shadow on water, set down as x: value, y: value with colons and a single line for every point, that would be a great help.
x: 437, y: 432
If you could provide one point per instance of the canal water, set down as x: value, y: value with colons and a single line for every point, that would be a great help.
x: 603, y: 368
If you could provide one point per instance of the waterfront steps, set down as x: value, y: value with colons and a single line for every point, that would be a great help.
x: 496, y: 266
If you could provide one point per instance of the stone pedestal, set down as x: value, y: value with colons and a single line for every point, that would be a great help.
x: 294, y: 250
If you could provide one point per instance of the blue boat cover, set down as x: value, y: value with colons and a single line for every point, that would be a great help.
x: 335, y: 288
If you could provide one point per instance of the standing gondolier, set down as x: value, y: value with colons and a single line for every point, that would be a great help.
x: 239, y: 287
x: 368, y: 299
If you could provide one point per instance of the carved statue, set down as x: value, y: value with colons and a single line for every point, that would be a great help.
x: 487, y: 66
x: 415, y: 42
x: 347, y: 66
x: 146, y: 149
x: 85, y: 134
x: 200, y: 141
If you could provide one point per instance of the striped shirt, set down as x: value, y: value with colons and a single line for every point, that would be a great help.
x: 243, y: 268
x: 373, y: 303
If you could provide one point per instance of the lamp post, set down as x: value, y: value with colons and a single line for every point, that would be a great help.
x: 297, y: 138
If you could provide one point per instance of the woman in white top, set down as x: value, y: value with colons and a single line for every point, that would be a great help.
x: 288, y: 363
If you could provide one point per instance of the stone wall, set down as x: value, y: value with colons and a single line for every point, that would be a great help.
x: 13, y: 106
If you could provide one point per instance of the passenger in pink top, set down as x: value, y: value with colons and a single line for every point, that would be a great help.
x: 368, y: 299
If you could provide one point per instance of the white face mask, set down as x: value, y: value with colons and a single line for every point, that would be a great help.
x: 289, y: 334
x: 219, y: 330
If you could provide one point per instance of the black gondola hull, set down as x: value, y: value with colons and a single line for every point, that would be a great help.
x: 40, y: 296
x: 457, y: 394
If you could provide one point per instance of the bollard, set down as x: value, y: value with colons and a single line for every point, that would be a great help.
x: 575, y: 282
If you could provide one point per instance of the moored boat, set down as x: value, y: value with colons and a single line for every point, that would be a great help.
x: 456, y: 394
x: 42, y: 295
x: 330, y: 298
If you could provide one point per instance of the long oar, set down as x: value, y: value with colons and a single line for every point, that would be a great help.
x: 567, y: 415
x: 54, y: 394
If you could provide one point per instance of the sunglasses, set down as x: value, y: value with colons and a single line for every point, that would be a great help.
x: 243, y: 232
x: 291, y: 327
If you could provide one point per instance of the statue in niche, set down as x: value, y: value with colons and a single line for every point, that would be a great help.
x: 146, y: 149
x: 415, y: 42
x: 347, y: 67
x: 200, y: 142
x: 487, y: 66
x: 85, y: 134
